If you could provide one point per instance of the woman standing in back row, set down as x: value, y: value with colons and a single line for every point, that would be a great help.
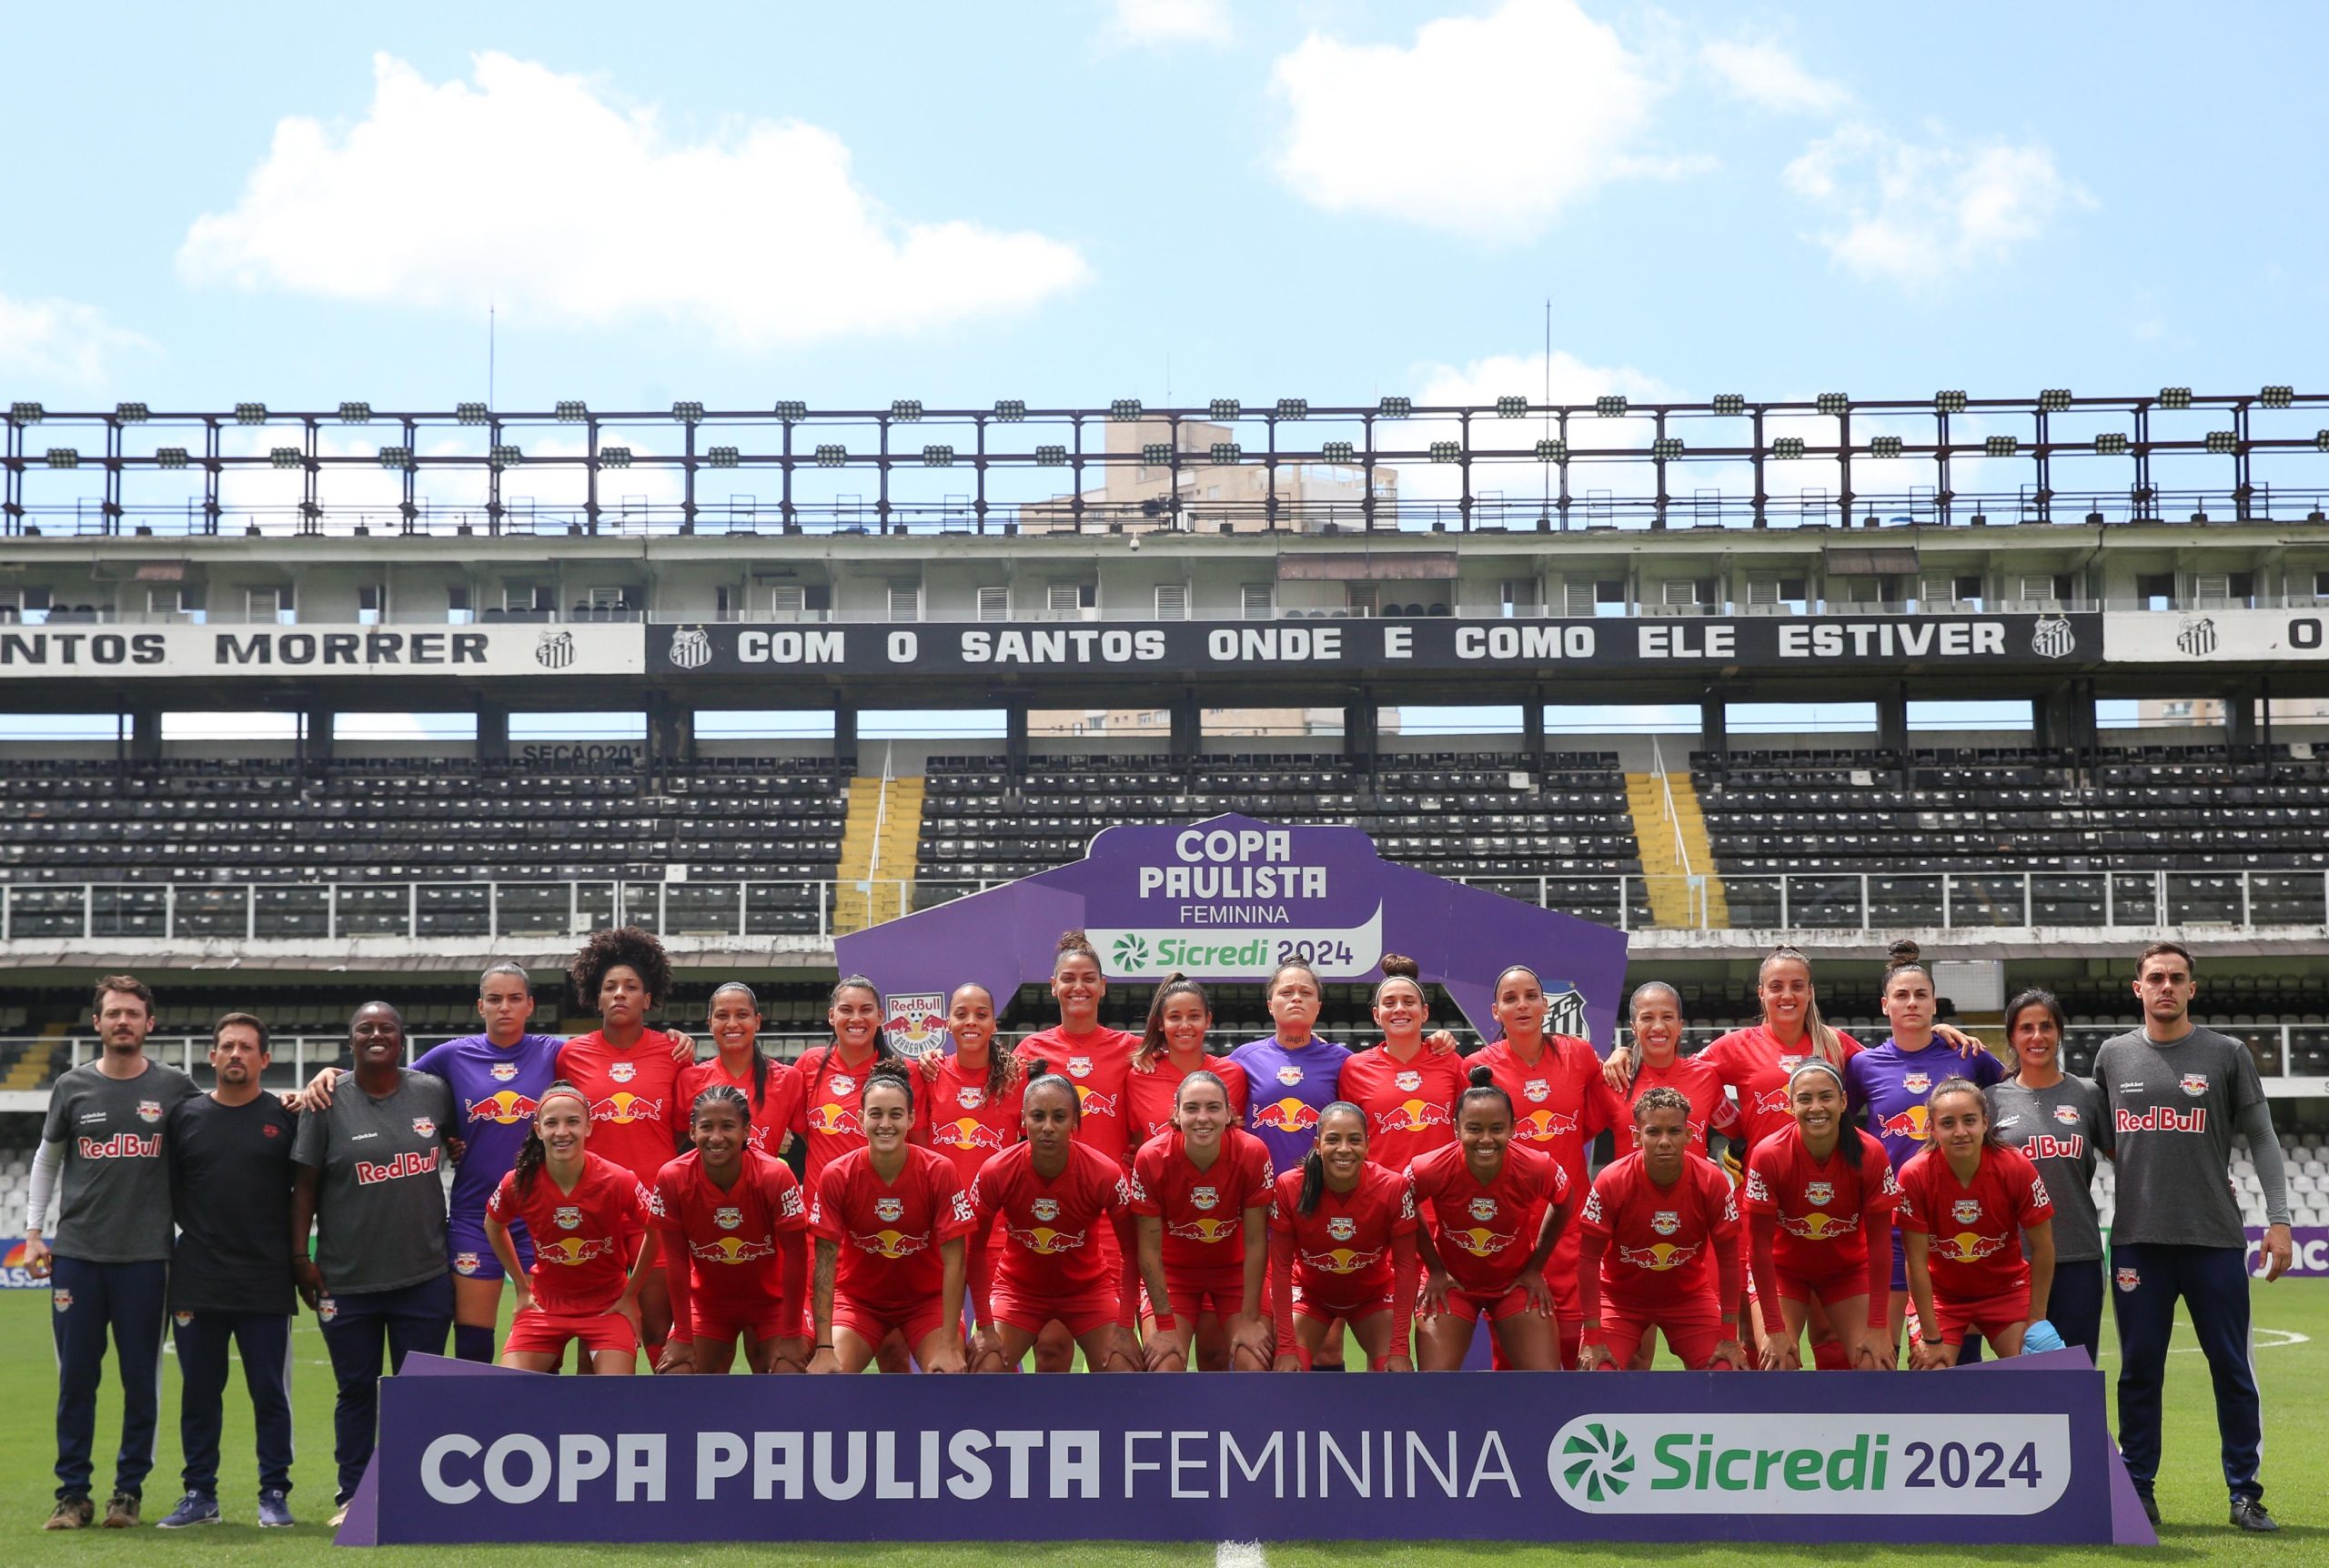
x: 2059, y: 1124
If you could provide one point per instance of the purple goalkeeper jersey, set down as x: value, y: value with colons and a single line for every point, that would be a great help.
x: 1284, y: 1091
x: 1893, y: 1084
x: 494, y: 1095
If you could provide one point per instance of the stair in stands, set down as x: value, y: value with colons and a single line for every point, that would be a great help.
x: 878, y: 850
x: 1681, y: 896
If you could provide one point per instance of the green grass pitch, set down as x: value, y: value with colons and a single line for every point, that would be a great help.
x: 2291, y: 1360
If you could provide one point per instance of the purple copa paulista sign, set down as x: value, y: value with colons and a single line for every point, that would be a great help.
x: 1999, y: 1453
x: 1230, y: 898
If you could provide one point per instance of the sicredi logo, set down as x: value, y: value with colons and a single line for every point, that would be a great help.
x: 1784, y: 1463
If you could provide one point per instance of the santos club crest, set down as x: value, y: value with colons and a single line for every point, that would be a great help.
x: 691, y: 648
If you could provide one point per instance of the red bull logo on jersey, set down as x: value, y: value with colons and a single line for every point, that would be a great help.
x: 889, y: 1210
x: 2164, y: 1119
x: 1289, y: 1075
x: 1482, y: 1208
x: 1079, y: 1067
x: 1412, y: 1116
x: 1408, y: 1081
x: 1205, y: 1230
x: 623, y: 1071
x: 967, y: 1132
x: 1819, y: 1227
x: 1537, y: 1090
x: 892, y: 1245
x: 970, y: 1096
x: 1206, y: 1197
x: 835, y: 1122
x: 2045, y: 1145
x: 1660, y: 1256
x: 151, y: 1109
x: 914, y: 1022
x: 120, y: 1146
x: 1771, y: 1101
x: 1044, y: 1208
x: 2195, y: 1084
x: 1338, y: 1260
x: 573, y: 1251
x: 503, y: 1072
x: 1820, y: 1194
x: 410, y: 1163
x: 1916, y: 1083
x: 1966, y: 1246
x: 1096, y: 1104
x: 506, y: 1108
x: 569, y: 1217
x: 841, y: 1083
x: 1966, y: 1211
x: 728, y: 1217
x: 731, y: 1250
x: 424, y: 1125
x: 467, y: 1262
x: 1287, y: 1115
x: 1909, y: 1124
x: 1342, y: 1228
x: 1666, y: 1221
x: 1481, y: 1242
x: 1545, y: 1126
x: 2067, y: 1115
x: 1045, y: 1242
x: 622, y: 1107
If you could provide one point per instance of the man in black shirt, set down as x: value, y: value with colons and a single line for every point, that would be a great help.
x: 230, y: 1275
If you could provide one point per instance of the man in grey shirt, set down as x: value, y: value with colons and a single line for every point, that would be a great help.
x: 368, y: 1176
x: 2177, y: 1094
x: 110, y: 1265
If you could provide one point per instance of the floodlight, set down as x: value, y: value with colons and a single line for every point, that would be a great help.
x: 2223, y: 441
x: 1446, y: 452
x: 1834, y: 403
x: 1729, y: 403
x: 396, y: 456
x: 688, y: 411
x: 63, y: 457
x: 1011, y: 410
x: 250, y: 413
x: 792, y: 409
x: 1334, y: 452
x: 1512, y: 408
x: 356, y: 413
x: 939, y: 457
x: 170, y: 458
x: 722, y: 457
x: 1395, y: 407
x: 832, y: 455
x: 1665, y: 446
x: 130, y: 413
x: 470, y: 413
x: 2321, y: 440
x: 2175, y: 396
x: 1609, y: 408
x: 1231, y: 452
x: 1051, y: 456
x: 2276, y: 395
x: 1294, y: 407
x: 906, y: 409
x: 284, y: 457
x: 2111, y: 444
x: 614, y: 457
x: 1225, y: 407
x: 1125, y: 409
x: 1884, y: 447
x: 505, y: 456
x: 1788, y: 448
x: 1552, y: 451
x: 26, y: 413
x: 1948, y: 402
x: 2054, y: 400
x: 572, y: 411
x: 2000, y: 445
x: 1156, y: 454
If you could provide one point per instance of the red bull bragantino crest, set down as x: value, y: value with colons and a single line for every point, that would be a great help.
x: 1482, y: 1208
x: 569, y: 1217
x: 916, y: 1022
x: 1966, y: 1211
x: 623, y: 1071
x: 1289, y: 1075
x: 1206, y: 1197
x: 151, y: 1109
x: 1044, y: 1208
x: 1342, y: 1227
x: 1666, y: 1221
x: 889, y: 1210
x: 2195, y: 1084
x: 2067, y: 1115
x: 503, y: 1072
x: 1918, y: 1082
x: 1538, y: 1089
x: 424, y: 1125
x: 1079, y: 1067
x: 465, y: 1263
x: 728, y: 1217
x: 970, y: 1096
x: 1407, y: 1082
x: 1818, y: 1194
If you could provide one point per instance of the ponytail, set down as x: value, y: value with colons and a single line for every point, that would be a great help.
x: 1151, y: 1041
x: 760, y: 1057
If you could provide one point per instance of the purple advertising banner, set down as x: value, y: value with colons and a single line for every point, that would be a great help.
x: 2005, y: 1455
x: 1230, y: 898
x: 2311, y: 1250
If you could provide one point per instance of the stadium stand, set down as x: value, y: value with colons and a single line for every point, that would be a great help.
x: 2248, y: 841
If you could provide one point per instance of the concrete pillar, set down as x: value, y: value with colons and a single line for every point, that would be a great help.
x: 316, y: 744
x: 1189, y: 726
x: 670, y: 729
x: 2240, y: 722
x: 1714, y: 727
x: 1532, y: 731
x: 493, y: 735
x: 1360, y: 732
x: 2062, y: 720
x: 845, y: 736
x: 1015, y: 736
x: 145, y: 735
x: 1893, y: 722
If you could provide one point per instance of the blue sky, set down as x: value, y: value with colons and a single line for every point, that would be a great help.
x: 1072, y: 203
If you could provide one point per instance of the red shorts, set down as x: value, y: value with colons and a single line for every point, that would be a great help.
x: 719, y: 1322
x: 1829, y: 1288
x: 1986, y: 1316
x: 1691, y: 1331
x: 538, y: 1332
x: 1317, y: 1299
x: 873, y: 1324
x: 1473, y: 1305
x: 1221, y: 1290
x: 1082, y: 1314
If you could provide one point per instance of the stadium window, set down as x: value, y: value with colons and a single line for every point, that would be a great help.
x: 456, y: 603
x: 2321, y: 584
x: 995, y: 603
x: 1070, y: 599
x: 1520, y: 597
x: 2155, y: 590
x: 369, y: 599
x: 262, y: 604
x: 1172, y: 601
x: 905, y: 601
x: 526, y: 598
x: 1260, y: 600
x: 1609, y: 597
x: 1577, y: 597
x: 1969, y: 592
x: 24, y: 605
x: 788, y: 601
x: 723, y: 602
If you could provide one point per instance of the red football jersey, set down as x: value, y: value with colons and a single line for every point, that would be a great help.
x: 1695, y: 1078
x: 773, y: 1117
x: 1409, y: 1105
x: 1099, y: 1064
x: 1662, y: 1239
x: 1485, y: 1233
x: 1342, y: 1249
x: 963, y: 1120
x: 634, y: 1097
x: 1560, y: 1104
x: 731, y: 1235
x: 1152, y: 1094
x: 1203, y: 1212
x: 833, y: 1089
x: 1053, y: 1251
x: 1818, y: 1203
x: 586, y: 1240
x: 1975, y: 1227
x: 890, y: 1231
x: 1753, y: 1063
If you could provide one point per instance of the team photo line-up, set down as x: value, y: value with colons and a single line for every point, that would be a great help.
x: 1137, y: 1198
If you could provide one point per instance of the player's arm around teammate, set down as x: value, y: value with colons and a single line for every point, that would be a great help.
x: 1343, y: 1249
x: 1201, y: 1207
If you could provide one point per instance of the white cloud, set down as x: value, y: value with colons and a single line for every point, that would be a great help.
x: 1149, y: 22
x: 1483, y: 381
x: 58, y: 341
x: 1919, y: 215
x: 1767, y: 76
x: 538, y: 190
x: 1487, y: 126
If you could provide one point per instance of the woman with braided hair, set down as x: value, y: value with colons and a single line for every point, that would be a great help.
x: 734, y: 1230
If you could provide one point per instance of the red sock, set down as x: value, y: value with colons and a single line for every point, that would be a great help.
x: 1828, y: 1355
